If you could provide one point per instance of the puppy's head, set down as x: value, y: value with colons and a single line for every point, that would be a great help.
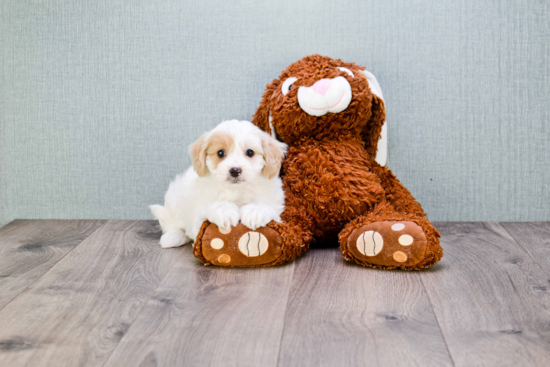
x: 237, y: 151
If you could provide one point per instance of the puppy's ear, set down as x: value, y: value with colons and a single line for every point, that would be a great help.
x: 274, y: 152
x: 198, y: 153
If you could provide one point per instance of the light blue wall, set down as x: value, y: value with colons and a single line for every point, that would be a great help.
x: 100, y: 98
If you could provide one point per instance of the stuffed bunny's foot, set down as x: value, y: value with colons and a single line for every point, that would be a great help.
x: 239, y: 246
x: 386, y: 244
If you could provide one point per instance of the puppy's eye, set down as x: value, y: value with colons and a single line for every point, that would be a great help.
x: 250, y: 153
x: 287, y: 85
x: 221, y: 153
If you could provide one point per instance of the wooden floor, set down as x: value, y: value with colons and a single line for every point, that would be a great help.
x: 104, y: 293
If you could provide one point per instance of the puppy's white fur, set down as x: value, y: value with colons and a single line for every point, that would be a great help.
x: 207, y: 190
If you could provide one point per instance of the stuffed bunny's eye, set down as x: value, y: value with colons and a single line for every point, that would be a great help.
x: 287, y: 85
x: 345, y: 70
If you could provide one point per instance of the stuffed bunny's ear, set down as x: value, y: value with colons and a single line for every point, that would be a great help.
x: 262, y: 117
x: 377, y: 143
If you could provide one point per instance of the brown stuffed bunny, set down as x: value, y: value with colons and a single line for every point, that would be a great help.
x: 330, y: 113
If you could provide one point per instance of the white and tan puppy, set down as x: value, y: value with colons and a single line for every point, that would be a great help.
x: 234, y: 177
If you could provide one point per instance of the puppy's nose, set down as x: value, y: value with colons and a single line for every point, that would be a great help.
x: 235, y: 171
x: 321, y: 86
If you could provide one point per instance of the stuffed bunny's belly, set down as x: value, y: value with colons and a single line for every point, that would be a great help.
x: 332, y: 182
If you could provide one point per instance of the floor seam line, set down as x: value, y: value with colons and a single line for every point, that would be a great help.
x: 522, y: 247
x: 57, y: 262
x: 51, y: 267
x: 143, y: 307
x: 437, y: 320
x: 286, y: 310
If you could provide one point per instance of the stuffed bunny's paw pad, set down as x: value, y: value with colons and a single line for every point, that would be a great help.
x: 388, y: 243
x: 240, y: 247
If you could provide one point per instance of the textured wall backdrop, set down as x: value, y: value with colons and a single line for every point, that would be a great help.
x: 99, y: 99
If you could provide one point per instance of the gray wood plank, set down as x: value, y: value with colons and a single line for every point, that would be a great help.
x: 208, y: 316
x: 534, y: 238
x: 343, y: 314
x: 78, y: 311
x: 490, y: 298
x: 29, y: 248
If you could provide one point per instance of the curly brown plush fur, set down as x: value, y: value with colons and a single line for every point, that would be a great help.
x: 333, y: 185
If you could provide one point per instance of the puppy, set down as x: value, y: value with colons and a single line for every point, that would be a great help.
x: 234, y: 178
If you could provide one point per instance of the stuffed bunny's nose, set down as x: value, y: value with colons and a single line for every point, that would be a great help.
x: 321, y: 86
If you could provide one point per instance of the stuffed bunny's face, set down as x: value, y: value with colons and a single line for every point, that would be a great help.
x: 318, y: 97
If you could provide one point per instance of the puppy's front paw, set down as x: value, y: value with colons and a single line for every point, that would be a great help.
x: 225, y: 215
x: 257, y: 215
